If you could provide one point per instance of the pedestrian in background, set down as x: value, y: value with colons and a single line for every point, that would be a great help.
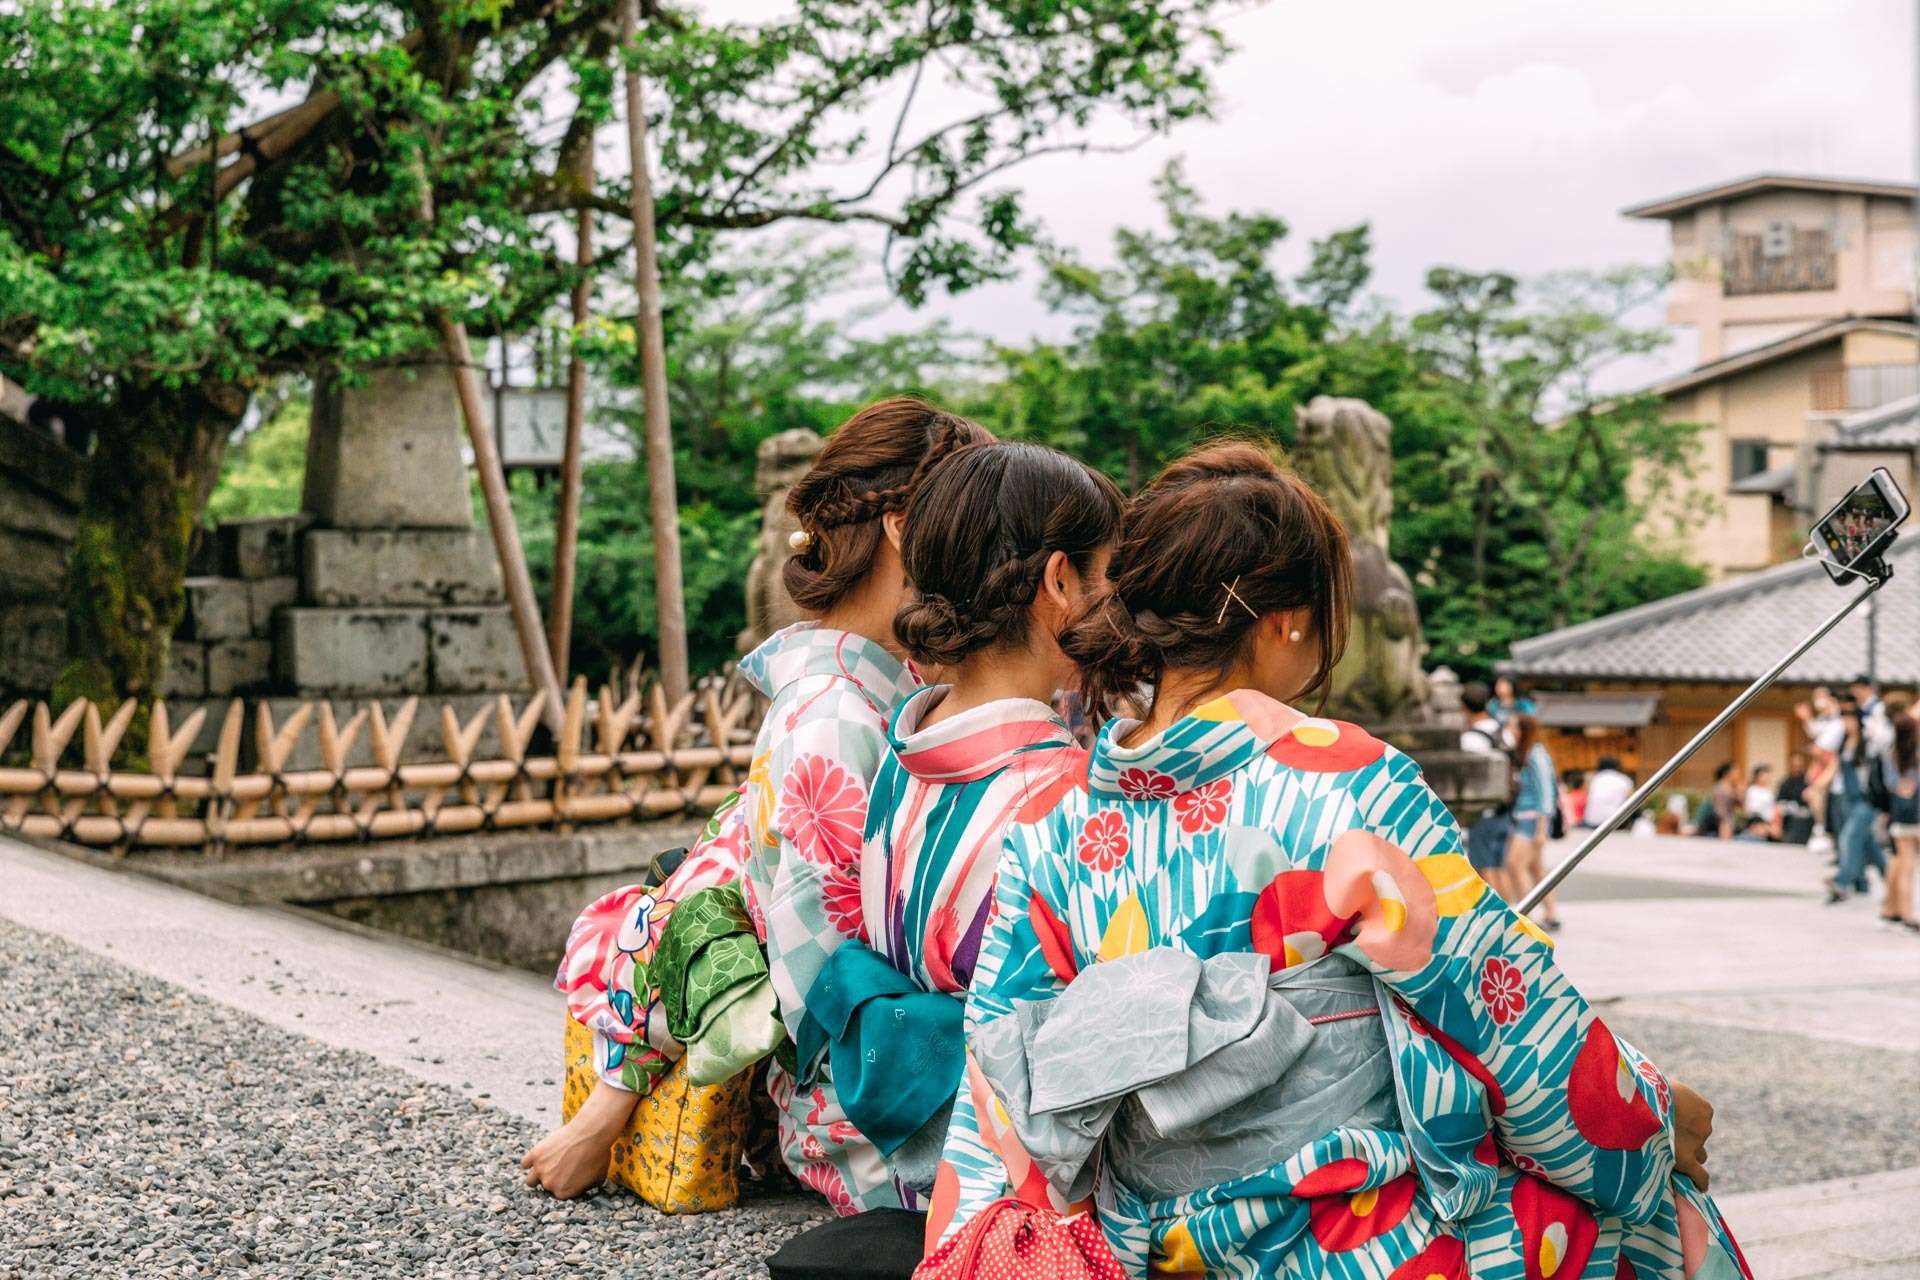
x: 1573, y: 801
x: 1820, y: 721
x: 1759, y: 801
x: 1534, y: 799
x: 1859, y: 849
x: 1902, y: 767
x: 1607, y: 790
x: 1714, y: 819
x: 1509, y: 700
x: 1793, y: 820
x: 1487, y: 839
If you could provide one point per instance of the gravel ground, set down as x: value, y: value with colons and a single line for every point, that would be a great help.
x: 1788, y: 1108
x: 144, y: 1132
x: 147, y: 1133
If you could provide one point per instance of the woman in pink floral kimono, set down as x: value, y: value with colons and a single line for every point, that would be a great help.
x: 1244, y: 1008
x: 785, y: 850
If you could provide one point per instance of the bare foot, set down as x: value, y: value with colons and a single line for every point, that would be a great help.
x: 574, y: 1158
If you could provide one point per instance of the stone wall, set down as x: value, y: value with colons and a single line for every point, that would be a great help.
x: 40, y: 490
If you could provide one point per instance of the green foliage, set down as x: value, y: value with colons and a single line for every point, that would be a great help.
x: 416, y: 172
x: 614, y: 619
x: 262, y: 475
x: 758, y: 342
x: 1520, y: 491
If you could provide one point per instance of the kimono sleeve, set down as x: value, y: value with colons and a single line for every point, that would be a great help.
x: 819, y: 776
x: 1024, y: 955
x: 1567, y: 1100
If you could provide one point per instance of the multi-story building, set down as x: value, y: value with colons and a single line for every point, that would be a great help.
x: 1800, y: 295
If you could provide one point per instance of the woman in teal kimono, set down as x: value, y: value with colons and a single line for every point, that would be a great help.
x: 1244, y: 1002
x: 1002, y: 542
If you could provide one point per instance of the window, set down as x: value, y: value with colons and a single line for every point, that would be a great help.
x: 1749, y: 458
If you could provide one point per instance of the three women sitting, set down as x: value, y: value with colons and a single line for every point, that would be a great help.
x: 1236, y: 1003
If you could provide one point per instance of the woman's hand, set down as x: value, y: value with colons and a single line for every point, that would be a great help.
x: 573, y: 1158
x: 1692, y: 1126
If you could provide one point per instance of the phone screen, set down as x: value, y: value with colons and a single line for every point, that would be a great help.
x: 1859, y: 522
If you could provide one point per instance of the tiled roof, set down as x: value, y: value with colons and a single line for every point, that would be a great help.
x: 1891, y: 426
x: 1780, y: 348
x: 1598, y: 710
x: 1735, y: 630
x: 1775, y: 480
x: 1668, y: 206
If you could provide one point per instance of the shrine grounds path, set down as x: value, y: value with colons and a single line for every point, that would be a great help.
x: 192, y: 1087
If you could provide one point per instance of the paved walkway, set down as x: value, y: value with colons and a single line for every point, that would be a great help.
x: 1674, y: 936
x: 491, y: 1033
x: 1732, y: 935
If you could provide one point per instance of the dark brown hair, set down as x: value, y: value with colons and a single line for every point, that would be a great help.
x: 870, y: 466
x: 1526, y: 734
x: 980, y: 531
x: 1218, y: 540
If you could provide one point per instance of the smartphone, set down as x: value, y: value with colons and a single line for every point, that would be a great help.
x: 1861, y: 525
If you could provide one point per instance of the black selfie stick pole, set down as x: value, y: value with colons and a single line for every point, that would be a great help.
x: 1876, y: 571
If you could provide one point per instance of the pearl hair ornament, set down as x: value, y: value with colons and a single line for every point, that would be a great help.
x: 800, y: 540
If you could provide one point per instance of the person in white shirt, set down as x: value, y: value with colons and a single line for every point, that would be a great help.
x: 1607, y: 790
x: 1820, y: 721
x: 1758, y: 802
x: 1483, y: 734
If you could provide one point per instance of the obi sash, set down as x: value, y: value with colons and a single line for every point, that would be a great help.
x: 1192, y: 1072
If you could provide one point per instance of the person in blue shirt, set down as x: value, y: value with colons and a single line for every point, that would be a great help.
x: 1508, y: 701
x: 1536, y: 791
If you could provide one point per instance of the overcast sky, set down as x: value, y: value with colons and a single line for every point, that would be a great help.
x: 1496, y: 133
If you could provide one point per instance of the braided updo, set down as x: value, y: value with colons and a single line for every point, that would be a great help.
x: 1218, y: 540
x: 979, y: 534
x: 870, y: 466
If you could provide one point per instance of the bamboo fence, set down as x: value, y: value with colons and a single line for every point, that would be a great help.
x: 636, y: 757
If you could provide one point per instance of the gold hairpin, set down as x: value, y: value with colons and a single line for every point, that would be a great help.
x: 1234, y: 597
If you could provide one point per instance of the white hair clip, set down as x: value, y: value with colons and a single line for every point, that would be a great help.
x: 800, y: 540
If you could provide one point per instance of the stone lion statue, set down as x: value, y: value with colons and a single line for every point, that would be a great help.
x: 1343, y: 448
x: 780, y: 461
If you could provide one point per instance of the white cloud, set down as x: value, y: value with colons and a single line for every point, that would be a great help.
x: 1495, y: 133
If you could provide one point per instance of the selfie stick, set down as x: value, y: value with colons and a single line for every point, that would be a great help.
x: 1875, y: 570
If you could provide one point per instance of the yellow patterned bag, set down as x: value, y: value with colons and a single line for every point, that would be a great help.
x: 682, y: 1152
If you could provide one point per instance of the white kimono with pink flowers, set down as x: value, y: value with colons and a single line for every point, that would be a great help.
x: 806, y: 810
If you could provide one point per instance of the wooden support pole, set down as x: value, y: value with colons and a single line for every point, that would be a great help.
x: 493, y: 487
x: 506, y: 534
x: 669, y: 593
x: 567, y: 525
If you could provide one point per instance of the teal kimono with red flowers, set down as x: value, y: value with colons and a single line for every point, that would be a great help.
x: 1511, y: 1135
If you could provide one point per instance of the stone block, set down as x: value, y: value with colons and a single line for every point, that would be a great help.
x: 387, y: 454
x: 186, y: 675
x: 33, y: 568
x: 265, y: 595
x: 26, y: 510
x: 475, y: 650
x: 260, y: 547
x: 218, y: 609
x: 33, y: 647
x: 238, y: 666
x: 347, y: 651
x: 391, y: 567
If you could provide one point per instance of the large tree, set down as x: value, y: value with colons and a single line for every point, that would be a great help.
x: 1521, y: 488
x: 159, y: 263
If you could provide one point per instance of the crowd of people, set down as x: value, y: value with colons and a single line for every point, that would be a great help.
x: 1853, y: 795
x: 1221, y: 995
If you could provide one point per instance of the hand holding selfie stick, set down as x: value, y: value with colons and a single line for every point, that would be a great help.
x: 1869, y: 565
